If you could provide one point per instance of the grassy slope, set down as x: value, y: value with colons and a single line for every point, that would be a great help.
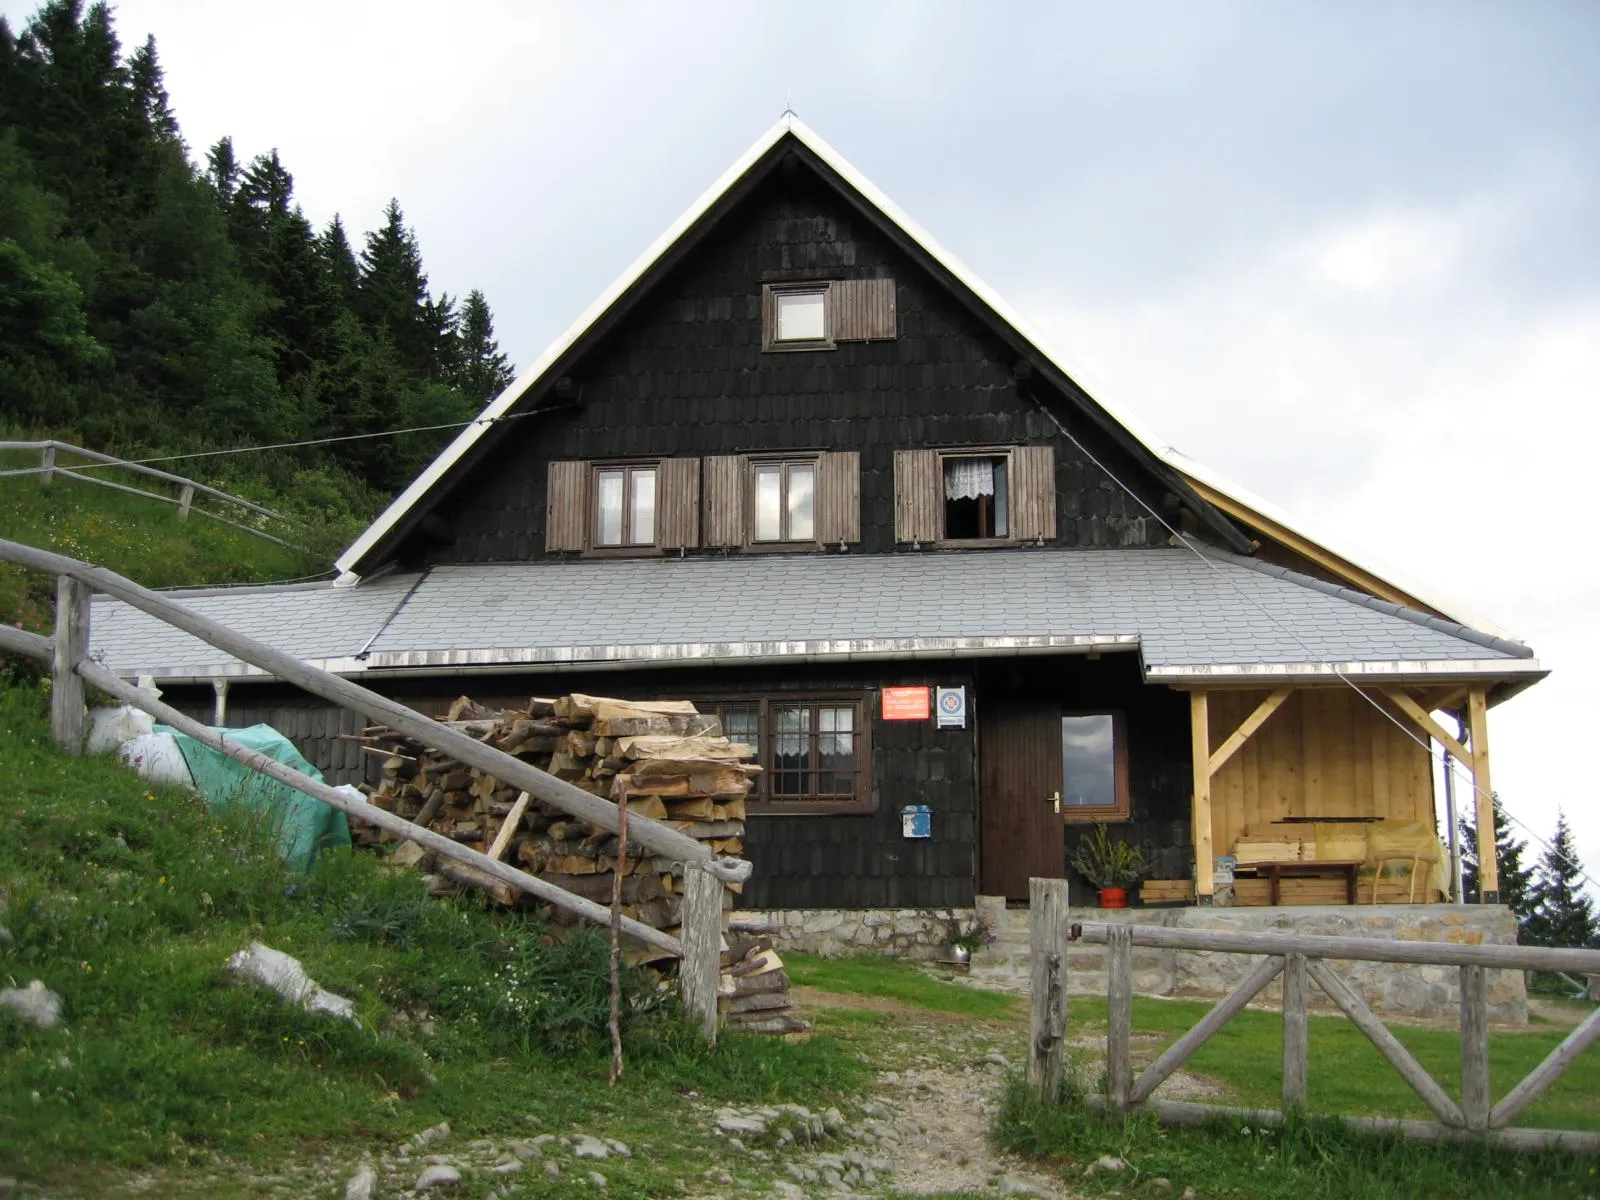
x: 127, y: 902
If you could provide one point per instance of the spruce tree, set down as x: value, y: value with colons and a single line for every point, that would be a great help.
x: 1516, y: 880
x: 394, y: 293
x: 482, y: 371
x: 1563, y: 915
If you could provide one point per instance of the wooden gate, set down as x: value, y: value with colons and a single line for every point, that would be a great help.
x: 1020, y: 831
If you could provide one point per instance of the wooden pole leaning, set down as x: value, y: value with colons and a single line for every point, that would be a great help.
x: 371, y: 813
x: 71, y: 647
x: 1047, y: 1006
x: 1119, y: 1015
x: 654, y: 835
x: 699, y: 970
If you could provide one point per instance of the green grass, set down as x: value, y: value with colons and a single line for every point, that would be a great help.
x: 865, y: 975
x: 1306, y: 1158
x: 140, y: 538
x: 126, y: 901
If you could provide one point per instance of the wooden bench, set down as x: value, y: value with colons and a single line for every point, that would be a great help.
x: 1276, y: 872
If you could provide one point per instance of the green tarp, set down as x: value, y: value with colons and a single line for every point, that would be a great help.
x: 305, y: 827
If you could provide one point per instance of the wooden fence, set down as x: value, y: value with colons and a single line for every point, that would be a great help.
x: 1301, y: 961
x: 50, y: 466
x: 71, y: 669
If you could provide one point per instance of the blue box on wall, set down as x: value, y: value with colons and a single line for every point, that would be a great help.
x: 916, y: 821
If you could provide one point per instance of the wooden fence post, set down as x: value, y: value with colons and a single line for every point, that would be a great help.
x: 185, y: 499
x: 1295, y: 1033
x: 1475, y: 1047
x: 47, y: 465
x: 71, y: 645
x: 1119, y: 1014
x: 699, y: 971
x: 1047, y: 1010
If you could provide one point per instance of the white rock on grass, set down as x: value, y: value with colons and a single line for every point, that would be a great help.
x: 735, y: 1124
x: 619, y: 1148
x: 585, y: 1146
x: 284, y: 975
x: 35, y: 1003
x: 361, y: 1184
x: 432, y: 1135
x: 597, y: 1179
x: 510, y: 1167
x: 439, y: 1176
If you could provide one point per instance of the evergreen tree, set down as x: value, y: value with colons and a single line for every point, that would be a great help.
x: 394, y: 293
x: 1516, y: 880
x: 222, y: 173
x: 482, y: 372
x: 1562, y: 914
x: 339, y: 261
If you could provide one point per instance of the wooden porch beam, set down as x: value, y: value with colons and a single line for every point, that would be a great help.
x: 1246, y: 729
x: 1478, y: 727
x: 1200, y: 749
x: 1432, y: 728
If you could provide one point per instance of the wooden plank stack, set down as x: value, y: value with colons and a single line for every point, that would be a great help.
x: 663, y: 758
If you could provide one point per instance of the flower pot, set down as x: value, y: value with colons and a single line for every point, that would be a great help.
x: 960, y: 954
x: 1113, y: 897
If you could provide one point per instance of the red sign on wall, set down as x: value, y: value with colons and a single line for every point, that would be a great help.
x: 906, y: 704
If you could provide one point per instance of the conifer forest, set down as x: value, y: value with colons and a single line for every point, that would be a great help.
x: 155, y: 298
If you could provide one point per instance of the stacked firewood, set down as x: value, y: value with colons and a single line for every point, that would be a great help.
x: 754, y: 993
x: 666, y: 760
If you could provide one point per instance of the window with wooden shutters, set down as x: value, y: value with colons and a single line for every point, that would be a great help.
x: 839, y: 498
x: 916, y: 496
x: 862, y: 310
x: 566, y: 506
x: 678, y: 506
x: 1033, y: 493
x: 976, y: 496
x: 819, y: 314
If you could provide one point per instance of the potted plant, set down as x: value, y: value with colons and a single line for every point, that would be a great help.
x: 964, y: 943
x: 1108, y: 864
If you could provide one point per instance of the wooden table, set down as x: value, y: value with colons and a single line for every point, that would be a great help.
x: 1277, y: 871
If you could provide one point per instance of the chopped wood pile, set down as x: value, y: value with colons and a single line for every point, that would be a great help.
x: 666, y: 760
x: 753, y: 995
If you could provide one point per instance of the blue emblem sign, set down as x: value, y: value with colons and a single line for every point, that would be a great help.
x: 916, y: 821
x: 951, y: 704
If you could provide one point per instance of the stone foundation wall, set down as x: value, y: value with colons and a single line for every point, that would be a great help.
x: 1393, y: 988
x: 915, y: 933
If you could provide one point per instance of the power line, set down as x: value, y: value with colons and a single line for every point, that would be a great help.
x: 1312, y: 656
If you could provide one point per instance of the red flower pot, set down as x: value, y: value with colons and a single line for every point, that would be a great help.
x: 1113, y: 897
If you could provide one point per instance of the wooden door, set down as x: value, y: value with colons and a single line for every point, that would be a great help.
x: 1019, y: 751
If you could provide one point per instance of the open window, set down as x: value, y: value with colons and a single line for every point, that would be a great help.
x: 1094, y: 767
x: 976, y: 497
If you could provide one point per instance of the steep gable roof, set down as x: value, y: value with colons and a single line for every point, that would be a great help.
x: 1219, y: 503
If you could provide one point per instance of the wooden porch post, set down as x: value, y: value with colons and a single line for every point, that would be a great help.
x: 1200, y: 748
x: 1483, y: 792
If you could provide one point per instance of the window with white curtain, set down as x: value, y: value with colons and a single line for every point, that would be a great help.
x: 976, y: 497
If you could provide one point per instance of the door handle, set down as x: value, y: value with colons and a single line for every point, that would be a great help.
x: 1055, y: 801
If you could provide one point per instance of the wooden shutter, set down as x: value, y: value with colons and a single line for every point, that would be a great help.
x: 722, y: 490
x: 839, y: 497
x: 566, y: 504
x: 678, y: 503
x: 862, y: 310
x: 1033, y: 493
x: 917, y: 499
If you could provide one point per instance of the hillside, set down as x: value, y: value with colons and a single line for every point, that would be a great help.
x: 126, y: 901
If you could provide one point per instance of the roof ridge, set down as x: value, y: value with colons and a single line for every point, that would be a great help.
x: 1440, y: 624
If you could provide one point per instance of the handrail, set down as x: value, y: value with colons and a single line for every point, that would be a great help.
x: 1438, y: 954
x: 137, y: 468
x: 652, y: 834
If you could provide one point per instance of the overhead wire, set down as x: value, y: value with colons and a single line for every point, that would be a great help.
x: 1443, y: 760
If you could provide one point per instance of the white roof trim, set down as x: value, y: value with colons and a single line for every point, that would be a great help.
x: 789, y: 123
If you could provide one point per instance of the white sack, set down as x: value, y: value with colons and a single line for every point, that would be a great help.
x: 110, y: 727
x: 283, y: 974
x: 157, y: 758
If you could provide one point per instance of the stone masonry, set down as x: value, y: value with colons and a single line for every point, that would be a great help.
x: 1389, y: 988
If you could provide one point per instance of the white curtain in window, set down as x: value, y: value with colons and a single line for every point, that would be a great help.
x: 968, y: 478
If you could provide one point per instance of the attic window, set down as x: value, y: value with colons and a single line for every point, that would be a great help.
x: 625, y: 506
x: 977, y: 502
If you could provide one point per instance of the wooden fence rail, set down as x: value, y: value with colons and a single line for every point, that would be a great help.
x: 1301, y: 961
x: 71, y: 668
x: 50, y: 466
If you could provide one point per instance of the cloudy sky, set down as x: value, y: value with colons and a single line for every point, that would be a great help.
x: 1346, y: 254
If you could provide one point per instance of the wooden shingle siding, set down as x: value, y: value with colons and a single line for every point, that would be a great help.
x: 917, y: 500
x: 862, y: 310
x: 839, y: 498
x: 1033, y: 493
x: 567, y: 493
x: 678, y: 504
x: 722, y: 487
